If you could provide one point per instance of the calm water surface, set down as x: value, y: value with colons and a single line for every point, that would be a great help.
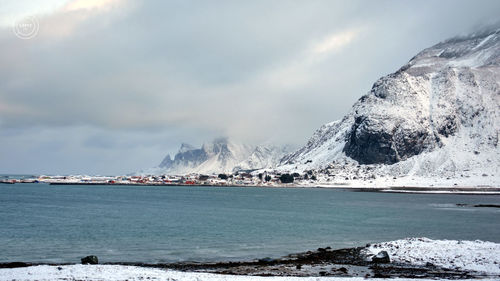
x: 50, y: 223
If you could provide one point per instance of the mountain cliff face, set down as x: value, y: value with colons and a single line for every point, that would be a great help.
x: 221, y: 156
x: 437, y: 115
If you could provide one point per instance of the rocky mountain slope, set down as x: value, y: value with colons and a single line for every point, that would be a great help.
x: 437, y: 116
x: 220, y: 156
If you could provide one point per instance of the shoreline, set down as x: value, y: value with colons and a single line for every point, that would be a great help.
x: 389, y: 189
x: 322, y: 262
x: 484, y: 184
x: 455, y: 190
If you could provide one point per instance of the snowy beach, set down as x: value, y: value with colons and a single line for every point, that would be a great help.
x: 118, y: 272
x: 476, y: 255
x: 414, y: 257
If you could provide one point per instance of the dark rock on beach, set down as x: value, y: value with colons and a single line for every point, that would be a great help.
x: 342, y: 269
x: 381, y: 257
x: 350, y: 262
x: 267, y: 260
x: 90, y: 260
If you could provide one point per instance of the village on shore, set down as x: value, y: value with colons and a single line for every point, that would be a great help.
x: 271, y: 179
x: 275, y: 179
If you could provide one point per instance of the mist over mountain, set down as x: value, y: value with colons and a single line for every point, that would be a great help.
x: 436, y: 117
x: 222, y: 155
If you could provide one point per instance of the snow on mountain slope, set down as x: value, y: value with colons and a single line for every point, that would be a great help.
x: 220, y: 156
x: 437, y: 116
x: 263, y: 156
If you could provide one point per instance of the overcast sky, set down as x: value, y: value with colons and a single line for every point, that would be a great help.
x: 111, y: 86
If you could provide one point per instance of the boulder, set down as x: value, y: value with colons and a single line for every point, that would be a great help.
x: 381, y: 257
x: 267, y: 260
x: 90, y: 260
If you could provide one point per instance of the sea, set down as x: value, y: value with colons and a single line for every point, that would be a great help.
x: 161, y: 224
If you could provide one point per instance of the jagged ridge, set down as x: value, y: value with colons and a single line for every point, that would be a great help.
x: 221, y: 156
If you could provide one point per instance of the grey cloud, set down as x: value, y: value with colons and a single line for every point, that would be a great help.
x: 86, y: 149
x: 192, y: 70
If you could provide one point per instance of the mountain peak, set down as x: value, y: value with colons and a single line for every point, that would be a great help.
x: 221, y: 155
x: 186, y: 147
x: 436, y: 116
x: 166, y: 162
x: 475, y: 50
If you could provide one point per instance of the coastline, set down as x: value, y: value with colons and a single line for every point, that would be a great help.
x: 471, y: 185
x: 420, y: 258
x: 389, y: 189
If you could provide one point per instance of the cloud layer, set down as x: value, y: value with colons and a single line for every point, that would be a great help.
x: 164, y: 72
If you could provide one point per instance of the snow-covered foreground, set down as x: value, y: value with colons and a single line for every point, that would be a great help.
x: 476, y: 255
x: 121, y: 272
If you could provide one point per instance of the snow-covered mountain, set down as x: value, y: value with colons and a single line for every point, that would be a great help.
x: 437, y: 116
x: 220, y: 156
